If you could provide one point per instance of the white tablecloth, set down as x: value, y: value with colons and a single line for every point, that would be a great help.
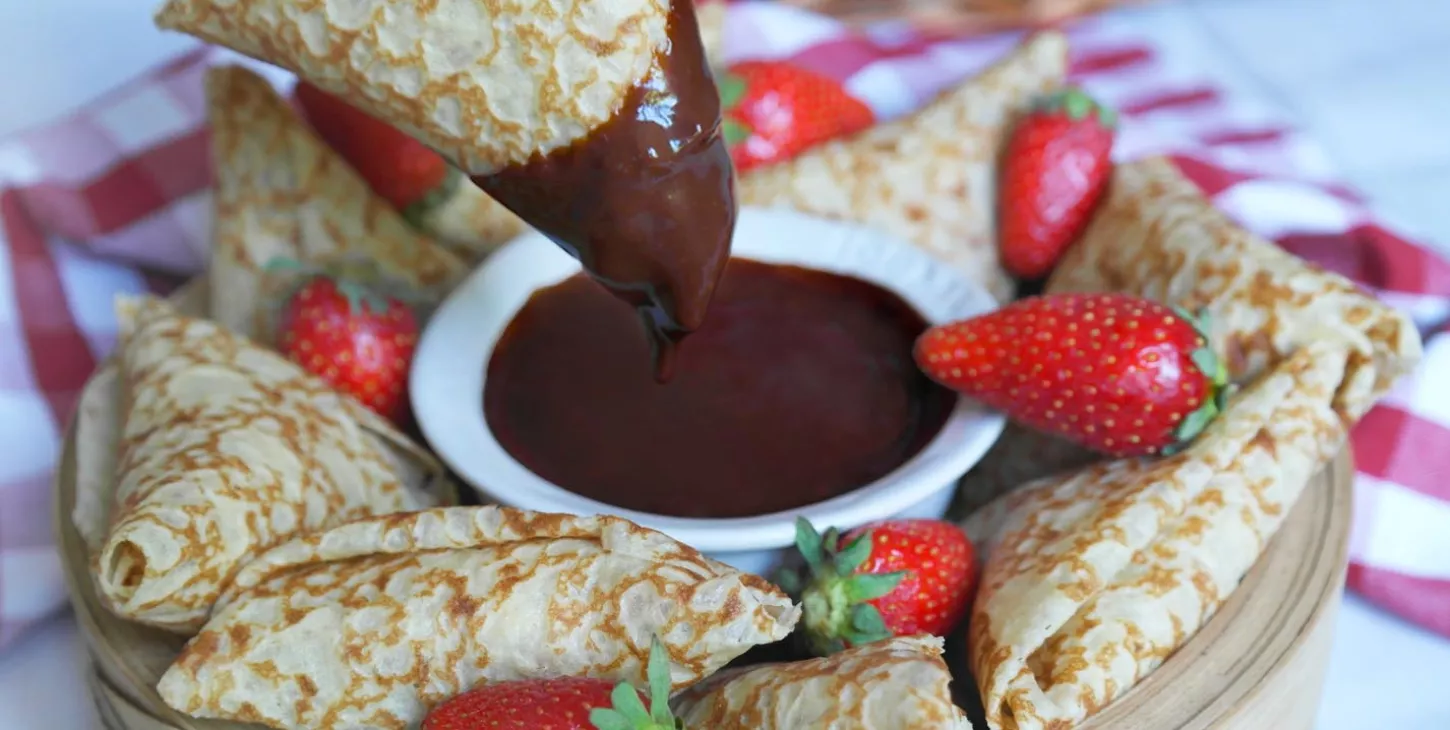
x: 1388, y: 135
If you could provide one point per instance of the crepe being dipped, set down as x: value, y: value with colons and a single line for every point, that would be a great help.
x: 930, y: 178
x: 223, y: 450
x: 598, y: 123
x: 899, y: 683
x: 281, y: 192
x: 1096, y: 575
x: 372, y: 623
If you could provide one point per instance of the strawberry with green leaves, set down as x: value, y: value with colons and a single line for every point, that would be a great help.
x: 1054, y: 171
x: 891, y: 578
x: 1118, y: 374
x: 774, y: 111
x: 405, y: 172
x: 353, y: 329
x: 565, y: 703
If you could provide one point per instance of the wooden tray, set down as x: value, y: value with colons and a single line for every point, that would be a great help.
x: 1258, y: 665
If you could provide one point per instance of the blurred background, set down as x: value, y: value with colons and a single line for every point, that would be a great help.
x: 1369, y: 81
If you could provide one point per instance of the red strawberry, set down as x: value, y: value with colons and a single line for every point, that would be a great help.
x: 358, y: 339
x: 897, y: 577
x: 403, y: 171
x: 1119, y: 374
x: 567, y: 703
x: 1056, y: 168
x: 773, y: 111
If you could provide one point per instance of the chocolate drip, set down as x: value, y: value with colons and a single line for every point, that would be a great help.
x: 646, y: 202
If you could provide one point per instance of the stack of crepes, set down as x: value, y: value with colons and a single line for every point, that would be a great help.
x: 198, y: 447
x: 1095, y: 575
x: 231, y: 498
x: 227, y: 496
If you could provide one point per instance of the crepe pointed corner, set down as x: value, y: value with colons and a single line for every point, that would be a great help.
x: 282, y: 193
x: 487, y: 85
x: 929, y: 178
x: 500, y: 594
x: 1156, y: 235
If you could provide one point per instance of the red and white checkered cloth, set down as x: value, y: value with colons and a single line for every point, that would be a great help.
x: 115, y: 199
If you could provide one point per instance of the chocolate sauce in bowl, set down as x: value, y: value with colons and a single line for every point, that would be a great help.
x: 646, y: 202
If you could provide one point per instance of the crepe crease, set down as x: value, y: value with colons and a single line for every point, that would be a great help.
x: 281, y: 192
x: 373, y: 622
x: 895, y: 684
x: 223, y: 449
x: 1096, y: 575
x: 929, y: 178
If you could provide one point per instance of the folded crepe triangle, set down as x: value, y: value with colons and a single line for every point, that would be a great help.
x: 1155, y: 235
x: 930, y: 178
x: 374, y: 622
x: 1095, y: 576
x: 225, y: 449
x: 487, y: 85
x: 894, y: 684
x: 280, y: 192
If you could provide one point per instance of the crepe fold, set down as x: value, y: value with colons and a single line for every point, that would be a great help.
x: 1155, y: 235
x: 225, y: 449
x: 371, y: 623
x: 486, y: 84
x: 1096, y: 575
x: 929, y: 178
x: 281, y: 192
x: 894, y: 684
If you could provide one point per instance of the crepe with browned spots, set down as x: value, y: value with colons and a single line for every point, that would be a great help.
x: 930, y: 178
x: 281, y: 192
x: 372, y: 623
x: 1095, y: 576
x: 895, y: 684
x: 214, y: 450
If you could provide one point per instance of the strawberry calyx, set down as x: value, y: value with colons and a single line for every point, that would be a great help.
x: 415, y: 212
x: 360, y: 280
x: 732, y: 91
x: 1215, y: 401
x: 835, y: 600
x: 627, y: 710
x: 1077, y: 105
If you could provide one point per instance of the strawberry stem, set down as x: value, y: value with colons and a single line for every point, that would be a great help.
x: 1214, y: 370
x: 628, y: 711
x: 836, y: 601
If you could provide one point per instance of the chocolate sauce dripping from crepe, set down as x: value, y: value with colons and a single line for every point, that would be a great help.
x: 647, y: 201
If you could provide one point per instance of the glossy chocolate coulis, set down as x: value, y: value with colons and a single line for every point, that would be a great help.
x: 800, y: 387
x: 647, y: 201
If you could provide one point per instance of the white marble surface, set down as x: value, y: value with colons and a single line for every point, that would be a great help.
x: 1369, y: 79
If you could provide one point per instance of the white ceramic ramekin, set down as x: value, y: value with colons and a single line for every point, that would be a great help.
x: 449, y: 369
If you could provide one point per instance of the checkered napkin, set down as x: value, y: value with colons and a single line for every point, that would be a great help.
x: 115, y: 199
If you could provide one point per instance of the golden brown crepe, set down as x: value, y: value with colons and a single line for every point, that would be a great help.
x: 224, y: 449
x: 281, y: 192
x: 371, y: 623
x: 895, y: 684
x: 470, y: 223
x: 1158, y: 237
x: 487, y: 85
x: 710, y: 14
x: 1095, y: 576
x: 929, y: 178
